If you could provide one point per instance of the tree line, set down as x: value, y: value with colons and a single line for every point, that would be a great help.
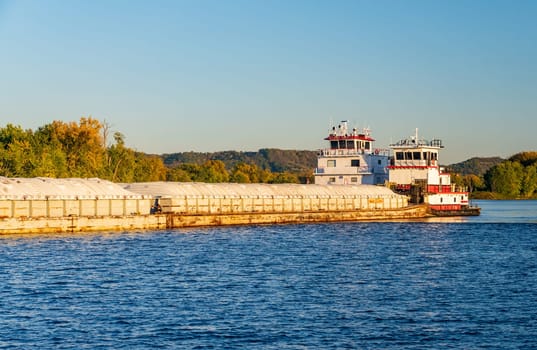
x: 87, y: 149
x: 513, y: 178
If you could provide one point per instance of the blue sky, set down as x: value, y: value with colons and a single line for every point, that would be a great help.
x: 177, y: 76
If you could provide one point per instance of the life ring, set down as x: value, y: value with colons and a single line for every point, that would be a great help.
x: 376, y: 151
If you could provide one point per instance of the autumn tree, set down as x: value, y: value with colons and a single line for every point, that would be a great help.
x: 473, y: 182
x: 81, y: 143
x: 249, y: 173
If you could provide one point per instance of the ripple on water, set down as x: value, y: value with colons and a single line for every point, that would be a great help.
x: 349, y: 285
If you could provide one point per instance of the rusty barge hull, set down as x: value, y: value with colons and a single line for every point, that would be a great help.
x: 74, y: 224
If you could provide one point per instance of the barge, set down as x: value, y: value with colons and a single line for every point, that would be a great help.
x: 353, y: 182
x: 45, y: 205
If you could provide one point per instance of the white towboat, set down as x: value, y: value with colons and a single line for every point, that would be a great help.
x: 411, y: 168
x: 351, y: 158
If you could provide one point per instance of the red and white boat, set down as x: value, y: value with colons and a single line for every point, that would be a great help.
x: 414, y: 169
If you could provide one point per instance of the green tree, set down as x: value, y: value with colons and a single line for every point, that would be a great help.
x: 193, y: 170
x: 149, y: 168
x: 249, y: 173
x: 121, y: 160
x: 213, y: 171
x: 473, y: 182
x: 529, y: 180
x: 457, y: 179
x: 285, y: 177
x: 525, y: 158
x: 178, y: 174
x: 17, y: 157
x: 52, y: 160
x: 505, y: 178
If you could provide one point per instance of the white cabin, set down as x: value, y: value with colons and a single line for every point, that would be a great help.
x: 351, y: 158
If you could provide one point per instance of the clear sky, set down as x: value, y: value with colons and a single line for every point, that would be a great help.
x: 176, y: 76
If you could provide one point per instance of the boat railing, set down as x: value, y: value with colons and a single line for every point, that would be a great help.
x: 352, y: 152
x: 359, y: 170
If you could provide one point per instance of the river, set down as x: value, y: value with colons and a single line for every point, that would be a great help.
x: 458, y: 283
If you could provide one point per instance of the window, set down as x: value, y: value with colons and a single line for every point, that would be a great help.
x: 368, y: 145
x: 408, y: 155
x: 399, y: 156
x: 331, y: 163
x: 333, y: 144
x: 354, y: 179
x: 380, y: 162
x: 355, y: 162
x: 331, y: 179
x: 416, y: 155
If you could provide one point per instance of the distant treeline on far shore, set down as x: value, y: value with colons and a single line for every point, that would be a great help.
x: 89, y: 148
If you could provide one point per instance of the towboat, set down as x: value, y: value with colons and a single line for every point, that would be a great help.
x: 408, y: 167
x: 351, y: 158
x: 414, y: 170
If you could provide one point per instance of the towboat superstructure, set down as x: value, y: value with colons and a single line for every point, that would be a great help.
x: 414, y: 169
x: 411, y: 169
x: 351, y: 158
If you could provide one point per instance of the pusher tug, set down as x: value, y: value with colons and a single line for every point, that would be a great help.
x: 351, y: 158
x: 414, y: 170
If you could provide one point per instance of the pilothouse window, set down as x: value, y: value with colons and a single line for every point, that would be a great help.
x: 355, y: 162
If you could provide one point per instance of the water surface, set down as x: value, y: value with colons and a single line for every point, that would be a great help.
x: 412, y: 285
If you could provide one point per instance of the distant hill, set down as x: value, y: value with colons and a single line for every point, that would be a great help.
x: 278, y: 160
x: 273, y: 159
x: 476, y: 166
